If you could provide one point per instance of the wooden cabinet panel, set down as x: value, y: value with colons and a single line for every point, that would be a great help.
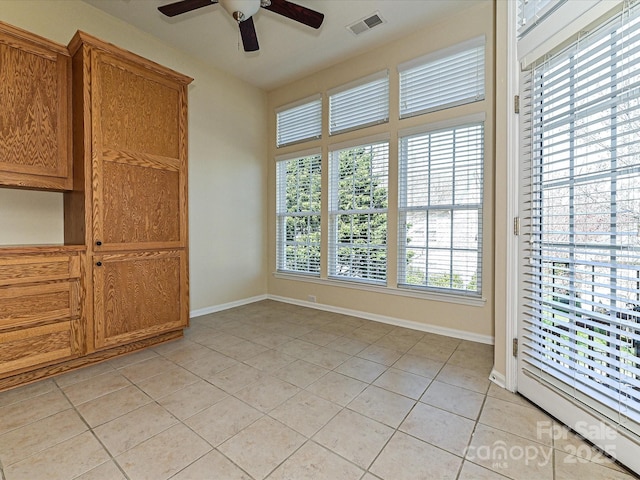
x: 35, y: 111
x: 139, y: 129
x: 137, y: 295
x: 142, y: 117
x: 140, y: 204
x: 132, y: 119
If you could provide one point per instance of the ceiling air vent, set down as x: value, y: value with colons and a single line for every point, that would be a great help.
x: 365, y: 24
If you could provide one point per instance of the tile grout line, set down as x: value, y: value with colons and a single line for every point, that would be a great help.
x: 251, y: 324
x: 387, y: 367
x: 90, y: 429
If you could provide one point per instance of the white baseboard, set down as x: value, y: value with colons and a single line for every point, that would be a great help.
x: 226, y: 306
x: 498, y: 378
x: 450, y: 332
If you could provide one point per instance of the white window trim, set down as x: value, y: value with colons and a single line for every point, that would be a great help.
x: 387, y: 290
x: 443, y: 125
x: 298, y: 154
x: 357, y: 142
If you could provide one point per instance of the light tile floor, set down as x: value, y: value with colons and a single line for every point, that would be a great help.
x: 276, y: 391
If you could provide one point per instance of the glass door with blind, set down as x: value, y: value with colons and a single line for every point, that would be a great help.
x: 579, y: 322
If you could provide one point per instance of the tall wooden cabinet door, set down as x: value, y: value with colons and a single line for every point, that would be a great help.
x: 139, y: 161
x: 138, y: 295
x: 35, y: 111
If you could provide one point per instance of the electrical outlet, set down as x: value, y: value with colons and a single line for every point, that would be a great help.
x: 311, y: 298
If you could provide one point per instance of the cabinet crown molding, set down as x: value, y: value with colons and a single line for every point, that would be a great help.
x: 82, y: 38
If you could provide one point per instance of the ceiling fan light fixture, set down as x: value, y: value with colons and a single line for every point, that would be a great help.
x: 241, y: 9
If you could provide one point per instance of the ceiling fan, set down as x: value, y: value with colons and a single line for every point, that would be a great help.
x: 243, y: 10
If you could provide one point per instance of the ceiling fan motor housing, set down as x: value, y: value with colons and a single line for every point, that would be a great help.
x: 241, y: 9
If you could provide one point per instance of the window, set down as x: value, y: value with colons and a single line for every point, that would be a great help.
x: 440, y: 208
x: 298, y: 214
x: 358, y: 212
x: 444, y: 79
x: 359, y: 104
x: 582, y: 317
x: 299, y: 121
x: 532, y: 12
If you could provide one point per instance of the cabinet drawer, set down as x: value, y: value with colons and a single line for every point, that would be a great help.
x: 37, y: 268
x: 30, y: 347
x: 25, y: 305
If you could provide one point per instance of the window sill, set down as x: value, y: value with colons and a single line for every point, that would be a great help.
x: 437, y: 297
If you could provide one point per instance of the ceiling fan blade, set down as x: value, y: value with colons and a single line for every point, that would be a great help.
x: 296, y: 12
x: 249, y: 36
x: 184, y: 6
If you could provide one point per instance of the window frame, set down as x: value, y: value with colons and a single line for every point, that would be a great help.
x: 403, y: 208
x: 443, y: 62
x: 282, y: 213
x: 335, y: 212
x: 379, y: 80
x: 312, y: 119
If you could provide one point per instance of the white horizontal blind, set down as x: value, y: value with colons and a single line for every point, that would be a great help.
x: 450, y: 77
x: 582, y: 324
x: 359, y: 104
x: 299, y: 122
x: 440, y: 209
x: 532, y: 12
x: 358, y: 213
x: 298, y: 214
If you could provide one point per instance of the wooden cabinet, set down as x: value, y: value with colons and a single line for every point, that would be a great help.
x: 120, y: 282
x: 129, y: 204
x: 40, y: 307
x: 35, y: 111
x: 138, y: 294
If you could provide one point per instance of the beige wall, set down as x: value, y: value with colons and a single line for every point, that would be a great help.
x: 471, y: 321
x: 227, y: 148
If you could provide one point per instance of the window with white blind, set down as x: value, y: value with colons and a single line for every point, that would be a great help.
x: 582, y: 304
x: 298, y: 208
x: 359, y: 104
x: 532, y: 12
x: 299, y: 121
x: 440, y: 208
x: 447, y: 78
x: 358, y: 212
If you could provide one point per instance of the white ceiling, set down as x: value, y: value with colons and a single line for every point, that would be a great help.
x: 288, y: 50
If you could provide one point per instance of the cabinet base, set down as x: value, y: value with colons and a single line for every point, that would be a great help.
x: 93, y: 358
